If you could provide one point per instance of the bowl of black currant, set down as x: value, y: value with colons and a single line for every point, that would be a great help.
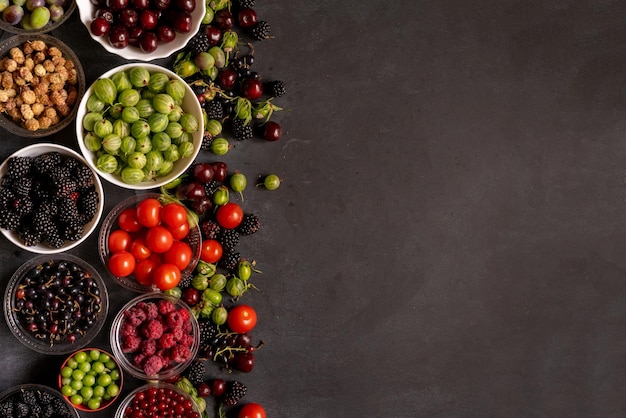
x: 55, y: 304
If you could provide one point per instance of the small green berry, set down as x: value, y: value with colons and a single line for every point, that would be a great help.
x: 271, y: 182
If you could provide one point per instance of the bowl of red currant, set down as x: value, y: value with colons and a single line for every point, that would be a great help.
x: 55, y: 304
x: 142, y: 29
x: 167, y: 399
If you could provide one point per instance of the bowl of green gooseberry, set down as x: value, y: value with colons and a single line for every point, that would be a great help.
x: 27, y: 17
x: 139, y: 126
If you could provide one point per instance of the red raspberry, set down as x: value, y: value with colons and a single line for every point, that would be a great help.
x: 134, y: 316
x: 130, y: 344
x: 167, y: 340
x: 139, y: 359
x: 153, y: 365
x: 178, y: 333
x: 186, y: 340
x: 128, y: 330
x: 152, y: 329
x: 184, y: 313
x: 180, y: 353
x: 165, y: 355
x: 148, y: 347
x: 187, y: 328
x: 151, y: 310
x: 165, y: 306
x: 174, y: 319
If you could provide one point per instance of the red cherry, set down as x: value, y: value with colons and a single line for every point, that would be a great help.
x: 140, y: 4
x: 186, y: 5
x: 128, y: 17
x: 252, y: 88
x: 165, y: 33
x: 272, y: 131
x: 117, y: 5
x: 181, y: 22
x: 105, y: 13
x: 148, y: 19
x: 226, y: 78
x: 100, y: 26
x: 162, y: 4
x: 247, y: 17
x: 134, y: 34
x: 214, y: 33
x: 148, y: 41
x: 224, y: 19
x: 118, y: 36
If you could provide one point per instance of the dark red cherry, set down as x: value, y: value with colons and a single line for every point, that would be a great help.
x: 100, y: 26
x: 214, y: 33
x: 165, y: 33
x: 247, y: 17
x: 224, y: 19
x: 252, y: 88
x: 226, y: 78
x: 148, y: 41
x: 118, y: 36
x: 272, y: 131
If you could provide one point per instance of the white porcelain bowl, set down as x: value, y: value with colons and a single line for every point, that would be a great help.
x: 87, y: 10
x: 189, y: 105
x: 42, y: 248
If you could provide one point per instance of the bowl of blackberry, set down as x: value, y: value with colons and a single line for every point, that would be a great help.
x: 50, y: 200
x: 35, y: 400
x: 55, y: 304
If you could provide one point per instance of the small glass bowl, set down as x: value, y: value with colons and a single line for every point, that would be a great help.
x: 68, y: 9
x: 39, y: 149
x: 129, y: 312
x: 194, y: 239
x: 121, y: 410
x: 38, y: 390
x: 190, y: 105
x: 105, y: 403
x: 16, y: 127
x: 19, y: 325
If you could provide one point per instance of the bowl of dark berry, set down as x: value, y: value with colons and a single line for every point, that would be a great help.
x: 55, y: 304
x: 142, y: 29
x: 148, y: 244
x: 90, y: 379
x: 27, y: 17
x: 35, y: 400
x: 169, y: 399
x: 50, y: 200
x: 42, y: 84
x: 155, y: 337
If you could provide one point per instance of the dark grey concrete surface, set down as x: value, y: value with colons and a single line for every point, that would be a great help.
x: 449, y: 237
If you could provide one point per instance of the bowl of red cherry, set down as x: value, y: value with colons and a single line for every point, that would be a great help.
x: 142, y: 29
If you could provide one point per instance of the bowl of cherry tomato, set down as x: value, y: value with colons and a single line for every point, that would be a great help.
x: 148, y: 243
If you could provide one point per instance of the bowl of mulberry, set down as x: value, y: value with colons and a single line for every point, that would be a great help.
x: 155, y: 337
x: 42, y: 84
x: 55, y: 304
x: 50, y: 200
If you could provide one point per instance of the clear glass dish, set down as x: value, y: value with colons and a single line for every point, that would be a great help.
x: 121, y: 410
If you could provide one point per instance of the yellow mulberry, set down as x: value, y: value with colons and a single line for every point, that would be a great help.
x: 48, y: 65
x: 28, y: 96
x: 40, y: 70
x: 41, y: 88
x: 63, y: 109
x: 44, y: 122
x: 38, y: 108
x: 39, y: 57
x: 29, y: 63
x: 72, y: 96
x: 14, y: 113
x: 31, y: 124
x: 7, y: 80
x: 50, y: 112
x: 72, y: 76
x: 53, y: 51
x: 38, y: 45
x: 10, y: 104
x: 27, y: 112
x: 44, y: 99
x: 17, y: 55
x: 10, y: 65
x: 26, y: 74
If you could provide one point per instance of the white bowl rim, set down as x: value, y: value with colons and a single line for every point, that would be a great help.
x: 43, y: 249
x: 112, y: 178
x: 86, y: 10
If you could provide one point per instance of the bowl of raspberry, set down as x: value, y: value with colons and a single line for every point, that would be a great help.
x: 155, y: 337
x: 42, y: 84
x: 169, y: 399
x: 50, y: 200
x: 55, y: 304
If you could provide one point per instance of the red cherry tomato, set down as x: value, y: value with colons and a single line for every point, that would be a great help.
x: 251, y: 410
x: 179, y: 232
x: 229, y: 215
x: 127, y: 220
x: 148, y: 212
x: 119, y: 240
x: 179, y: 254
x: 173, y: 214
x: 121, y: 264
x: 242, y: 318
x: 210, y: 251
x: 139, y: 249
x: 166, y: 276
x: 143, y: 271
x: 159, y: 239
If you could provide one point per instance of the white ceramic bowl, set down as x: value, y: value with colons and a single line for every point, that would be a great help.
x: 33, y: 151
x: 190, y: 105
x: 87, y: 10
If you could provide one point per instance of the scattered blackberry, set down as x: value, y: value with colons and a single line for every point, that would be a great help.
x: 199, y: 43
x: 276, y: 88
x: 207, y: 139
x: 83, y: 176
x: 246, y: 3
x: 211, y: 187
x: 235, y: 391
x: 229, y: 238
x: 208, y: 331
x: 6, y: 195
x: 60, y: 408
x: 241, y: 129
x: 53, y: 238
x: 87, y: 203
x: 195, y: 372
x: 214, y: 109
x: 249, y: 225
x: 209, y: 229
x: 260, y: 31
x: 229, y: 260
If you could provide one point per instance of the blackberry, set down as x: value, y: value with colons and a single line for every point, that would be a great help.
x: 229, y: 260
x: 199, y: 43
x: 60, y: 408
x: 211, y: 187
x: 214, y: 109
x: 72, y: 231
x: 70, y: 162
x: 245, y: 3
x: 58, y: 173
x: 83, y: 176
x: 87, y: 203
x: 229, y: 238
x: 208, y: 331
x: 9, y: 219
x: 23, y: 205
x: 23, y: 187
x: 19, y: 166
x: 43, y: 163
x: 241, y: 129
x: 45, y: 398
x: 276, y: 88
x: 195, y: 372
x: 235, y: 391
x: 48, y: 411
x: 66, y: 209
x: 260, y: 31
x: 207, y: 139
x: 43, y: 223
x: 185, y: 282
x: 6, y: 196
x: 210, y: 229
x: 28, y: 236
x: 6, y: 409
x: 21, y: 410
x: 53, y: 237
x: 65, y: 186
x: 249, y: 225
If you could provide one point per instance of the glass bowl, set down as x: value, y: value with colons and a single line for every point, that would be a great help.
x: 33, y: 151
x: 193, y: 238
x: 68, y: 8
x: 44, y: 396
x: 87, y: 10
x: 155, y: 387
x: 100, y: 382
x: 68, y: 331
x: 155, y: 336
x: 190, y: 105
x: 63, y: 106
